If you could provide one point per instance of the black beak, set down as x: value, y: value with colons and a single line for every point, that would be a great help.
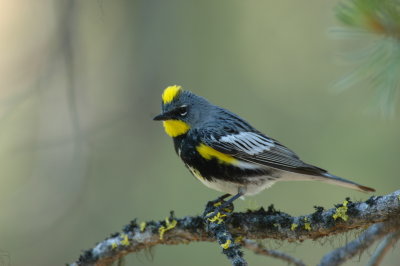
x: 161, y: 117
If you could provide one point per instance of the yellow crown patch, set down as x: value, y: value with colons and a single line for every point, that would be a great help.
x: 170, y: 93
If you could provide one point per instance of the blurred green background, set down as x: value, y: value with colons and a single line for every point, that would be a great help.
x: 81, y: 81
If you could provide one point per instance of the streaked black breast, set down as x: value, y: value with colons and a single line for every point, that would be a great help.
x: 185, y: 146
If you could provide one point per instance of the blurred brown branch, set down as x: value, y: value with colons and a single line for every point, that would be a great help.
x: 388, y: 242
x: 260, y: 249
x: 357, y: 246
x: 379, y: 213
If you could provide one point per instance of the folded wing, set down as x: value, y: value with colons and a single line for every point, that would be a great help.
x: 254, y: 147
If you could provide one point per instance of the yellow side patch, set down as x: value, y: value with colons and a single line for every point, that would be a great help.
x: 208, y: 153
x: 170, y: 93
x: 175, y: 128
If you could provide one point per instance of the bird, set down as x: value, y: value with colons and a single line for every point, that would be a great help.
x: 229, y: 155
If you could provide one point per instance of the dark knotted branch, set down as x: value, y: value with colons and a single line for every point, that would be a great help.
x: 259, y: 224
x: 217, y: 227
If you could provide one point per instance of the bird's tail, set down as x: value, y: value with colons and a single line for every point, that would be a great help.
x: 332, y: 179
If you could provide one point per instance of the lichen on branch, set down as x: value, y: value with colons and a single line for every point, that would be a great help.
x: 260, y: 224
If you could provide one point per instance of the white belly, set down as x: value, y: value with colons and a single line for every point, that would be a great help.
x: 254, y: 186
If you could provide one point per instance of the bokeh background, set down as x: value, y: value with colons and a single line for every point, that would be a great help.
x: 81, y: 80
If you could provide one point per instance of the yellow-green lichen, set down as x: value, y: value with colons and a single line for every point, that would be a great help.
x: 168, y: 226
x: 219, y: 203
x: 307, y: 225
x: 226, y: 244
x: 217, y: 218
x: 114, y: 245
x: 238, y: 239
x: 293, y: 226
x: 142, y: 226
x: 227, y: 210
x: 341, y: 212
x: 125, y: 240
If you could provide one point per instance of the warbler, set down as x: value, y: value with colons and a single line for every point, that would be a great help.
x: 227, y: 154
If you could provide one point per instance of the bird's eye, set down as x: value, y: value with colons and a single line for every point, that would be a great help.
x: 182, y: 110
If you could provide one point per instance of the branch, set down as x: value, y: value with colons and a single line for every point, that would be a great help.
x: 357, y: 246
x: 259, y: 249
x: 217, y: 227
x: 259, y: 224
x: 383, y: 247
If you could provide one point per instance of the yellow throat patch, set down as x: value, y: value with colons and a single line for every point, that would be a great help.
x: 175, y: 128
x: 208, y: 153
x: 170, y: 93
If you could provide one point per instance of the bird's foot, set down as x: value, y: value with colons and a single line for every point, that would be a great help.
x: 218, y: 210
